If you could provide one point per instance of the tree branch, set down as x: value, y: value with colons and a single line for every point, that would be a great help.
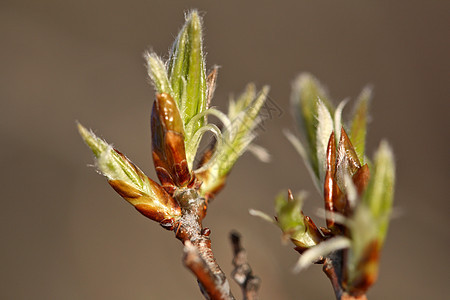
x: 198, y: 256
x: 330, y: 270
x: 207, y: 280
x: 242, y: 272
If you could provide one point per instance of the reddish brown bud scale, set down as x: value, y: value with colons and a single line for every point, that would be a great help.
x: 313, y: 230
x: 165, y: 179
x: 361, y: 179
x: 331, y: 191
x: 168, y: 224
x: 136, y: 169
x: 150, y: 213
x: 340, y: 163
x: 159, y: 206
x: 174, y: 147
x: 168, y: 148
x: 124, y: 189
x: 299, y: 249
x: 350, y: 153
x: 168, y: 113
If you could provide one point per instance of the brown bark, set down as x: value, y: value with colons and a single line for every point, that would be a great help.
x: 242, y: 272
x: 199, y: 257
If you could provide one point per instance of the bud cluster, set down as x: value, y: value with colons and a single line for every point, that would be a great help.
x: 178, y: 123
x: 357, y: 194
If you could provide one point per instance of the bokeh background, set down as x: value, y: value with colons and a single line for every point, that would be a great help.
x: 65, y: 234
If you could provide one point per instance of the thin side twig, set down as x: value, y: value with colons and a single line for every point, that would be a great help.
x: 242, y: 272
x: 332, y: 270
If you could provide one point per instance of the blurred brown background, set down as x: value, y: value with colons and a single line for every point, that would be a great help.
x: 67, y: 235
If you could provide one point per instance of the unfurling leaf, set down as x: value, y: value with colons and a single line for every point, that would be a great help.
x: 300, y: 229
x: 186, y: 70
x: 296, y: 227
x: 358, y: 125
x: 236, y: 136
x: 158, y: 74
x: 183, y: 79
x: 357, y: 194
x: 380, y: 192
x: 325, y: 127
x: 368, y: 225
x: 130, y: 182
x: 306, y: 90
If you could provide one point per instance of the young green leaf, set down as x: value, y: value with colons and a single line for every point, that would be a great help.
x: 158, y: 73
x: 183, y: 77
x: 368, y: 225
x: 306, y: 90
x: 380, y: 192
x: 359, y: 123
x: 187, y: 73
x: 325, y: 127
x: 294, y: 224
x: 130, y: 182
x: 237, y: 134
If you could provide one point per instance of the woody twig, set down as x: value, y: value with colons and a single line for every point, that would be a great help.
x: 242, y: 273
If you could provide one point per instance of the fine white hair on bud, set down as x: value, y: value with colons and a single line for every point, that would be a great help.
x: 338, y: 119
x: 113, y: 165
x: 236, y: 135
x: 325, y: 127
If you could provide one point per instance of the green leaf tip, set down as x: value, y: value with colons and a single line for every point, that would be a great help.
x: 306, y: 93
x: 368, y: 225
x: 299, y: 228
x: 111, y: 163
x: 158, y: 74
x: 186, y: 70
x: 96, y: 144
x: 289, y: 212
x: 358, y: 126
x: 380, y: 192
x: 244, y: 119
x: 240, y: 134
